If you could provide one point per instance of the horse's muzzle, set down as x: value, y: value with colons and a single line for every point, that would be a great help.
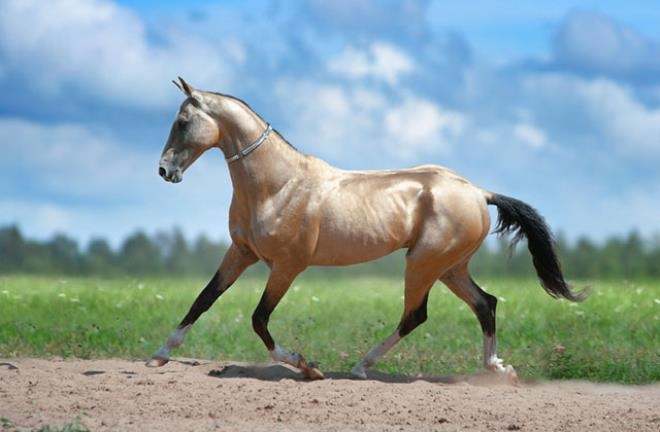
x: 173, y: 176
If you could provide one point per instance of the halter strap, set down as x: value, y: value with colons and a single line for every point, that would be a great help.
x: 252, y: 147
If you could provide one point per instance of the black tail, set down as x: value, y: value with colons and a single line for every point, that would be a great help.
x: 522, y: 219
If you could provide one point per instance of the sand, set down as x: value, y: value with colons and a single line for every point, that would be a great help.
x: 190, y: 395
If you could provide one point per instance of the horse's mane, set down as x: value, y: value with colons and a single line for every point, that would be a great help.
x: 241, y: 101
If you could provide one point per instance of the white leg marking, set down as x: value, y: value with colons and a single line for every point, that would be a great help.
x: 359, y: 370
x: 177, y: 336
x: 489, y: 348
x: 491, y: 361
x: 282, y: 355
x: 296, y: 360
x: 496, y: 364
x: 174, y: 341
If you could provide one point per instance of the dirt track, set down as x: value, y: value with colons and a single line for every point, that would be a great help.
x: 185, y: 396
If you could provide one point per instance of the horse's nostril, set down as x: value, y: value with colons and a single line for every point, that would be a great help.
x: 162, y: 172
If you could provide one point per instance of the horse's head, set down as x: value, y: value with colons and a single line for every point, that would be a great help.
x: 193, y: 132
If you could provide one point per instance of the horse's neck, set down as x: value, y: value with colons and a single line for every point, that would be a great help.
x: 266, y: 170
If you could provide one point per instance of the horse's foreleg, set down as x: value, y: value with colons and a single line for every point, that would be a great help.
x: 277, y: 285
x: 233, y: 264
x: 483, y: 305
x: 414, y: 314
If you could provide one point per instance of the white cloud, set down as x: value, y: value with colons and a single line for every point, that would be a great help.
x: 629, y: 125
x: 330, y: 121
x: 343, y: 122
x: 103, y: 49
x: 595, y: 43
x: 85, y: 184
x: 374, y: 104
x: 382, y: 61
x: 419, y: 124
x: 72, y: 159
x: 599, y: 110
x: 530, y: 135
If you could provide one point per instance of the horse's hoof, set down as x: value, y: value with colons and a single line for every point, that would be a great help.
x: 507, y: 370
x: 511, y: 374
x: 506, y: 373
x: 313, y: 373
x: 156, y: 361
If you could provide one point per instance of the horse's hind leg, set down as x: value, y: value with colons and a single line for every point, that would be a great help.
x: 419, y: 280
x: 483, y: 305
x: 277, y: 285
x: 233, y: 264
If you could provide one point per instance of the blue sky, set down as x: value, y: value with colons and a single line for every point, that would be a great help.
x: 556, y: 104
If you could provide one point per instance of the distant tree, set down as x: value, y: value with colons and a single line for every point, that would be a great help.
x: 99, y: 258
x: 505, y: 259
x: 140, y: 256
x: 484, y: 261
x: 633, y: 256
x: 581, y: 261
x: 653, y: 257
x: 176, y: 253
x: 610, y: 258
x: 206, y: 255
x: 64, y: 255
x: 12, y: 250
x: 169, y: 252
x: 38, y: 258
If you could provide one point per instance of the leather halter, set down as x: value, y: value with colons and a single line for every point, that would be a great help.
x: 252, y: 147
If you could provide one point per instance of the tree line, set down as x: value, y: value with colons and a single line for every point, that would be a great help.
x: 169, y: 253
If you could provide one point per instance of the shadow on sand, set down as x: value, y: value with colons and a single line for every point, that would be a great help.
x: 278, y: 372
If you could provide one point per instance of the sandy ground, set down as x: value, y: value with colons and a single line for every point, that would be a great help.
x: 187, y: 395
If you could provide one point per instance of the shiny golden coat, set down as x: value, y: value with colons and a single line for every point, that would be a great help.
x: 292, y: 211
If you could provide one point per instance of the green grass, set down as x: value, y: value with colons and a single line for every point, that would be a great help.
x: 74, y: 426
x: 613, y: 336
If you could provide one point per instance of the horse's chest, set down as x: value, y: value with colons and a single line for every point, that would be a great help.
x: 279, y: 229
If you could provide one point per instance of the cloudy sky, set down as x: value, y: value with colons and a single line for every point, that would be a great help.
x: 556, y: 104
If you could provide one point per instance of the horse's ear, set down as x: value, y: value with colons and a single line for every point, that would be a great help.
x: 185, y: 87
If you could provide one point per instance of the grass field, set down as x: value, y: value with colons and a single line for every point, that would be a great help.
x: 614, y: 336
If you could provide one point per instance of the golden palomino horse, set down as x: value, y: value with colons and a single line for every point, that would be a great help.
x: 292, y: 210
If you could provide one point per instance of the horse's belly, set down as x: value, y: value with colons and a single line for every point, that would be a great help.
x: 346, y: 253
x: 358, y: 239
x: 367, y: 217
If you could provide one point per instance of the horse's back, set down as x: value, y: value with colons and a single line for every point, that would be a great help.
x: 369, y: 214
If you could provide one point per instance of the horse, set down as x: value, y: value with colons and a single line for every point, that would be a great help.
x: 292, y: 211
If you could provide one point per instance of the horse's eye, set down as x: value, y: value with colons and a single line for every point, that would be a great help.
x: 181, y: 123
